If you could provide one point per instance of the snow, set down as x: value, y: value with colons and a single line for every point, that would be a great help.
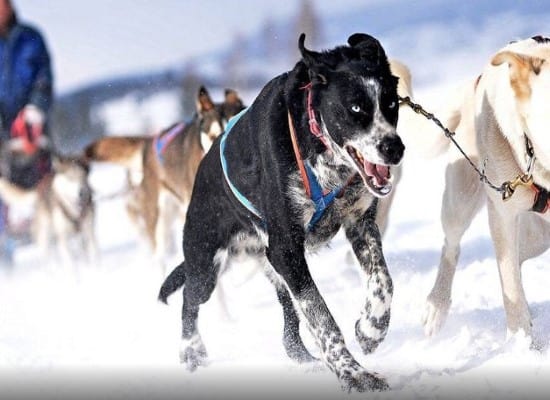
x: 99, y: 331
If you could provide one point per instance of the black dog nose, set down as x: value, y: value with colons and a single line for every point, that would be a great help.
x: 392, y: 149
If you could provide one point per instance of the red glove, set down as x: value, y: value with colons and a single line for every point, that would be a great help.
x: 27, y: 128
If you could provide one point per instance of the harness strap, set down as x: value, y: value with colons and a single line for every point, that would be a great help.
x: 161, y: 141
x: 238, y: 195
x: 299, y: 160
x: 321, y: 198
x: 314, y: 191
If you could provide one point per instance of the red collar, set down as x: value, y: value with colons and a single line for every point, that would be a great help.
x: 314, y: 126
x: 542, y: 199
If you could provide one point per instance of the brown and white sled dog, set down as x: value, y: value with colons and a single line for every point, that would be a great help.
x: 64, y: 210
x: 502, y: 123
x: 162, y: 168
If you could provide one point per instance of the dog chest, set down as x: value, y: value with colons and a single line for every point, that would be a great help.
x: 348, y: 208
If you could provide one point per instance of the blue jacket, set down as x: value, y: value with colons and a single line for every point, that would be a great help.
x: 25, y: 74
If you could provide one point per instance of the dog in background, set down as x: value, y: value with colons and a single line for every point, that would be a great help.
x: 64, y: 210
x: 501, y: 121
x: 162, y: 168
x: 312, y: 154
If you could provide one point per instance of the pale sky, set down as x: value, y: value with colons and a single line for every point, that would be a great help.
x: 91, y: 40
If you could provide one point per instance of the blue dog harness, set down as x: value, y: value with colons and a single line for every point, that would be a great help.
x: 242, y: 199
x: 321, y: 199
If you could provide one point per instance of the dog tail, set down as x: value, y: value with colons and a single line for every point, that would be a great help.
x: 421, y: 136
x: 173, y: 282
x: 12, y: 194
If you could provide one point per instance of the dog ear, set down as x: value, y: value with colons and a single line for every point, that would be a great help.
x: 310, y: 57
x: 520, y: 66
x: 369, y: 48
x: 232, y: 97
x: 313, y: 61
x: 204, y: 101
x: 518, y: 61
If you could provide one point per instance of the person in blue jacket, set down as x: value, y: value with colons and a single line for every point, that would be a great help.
x: 26, y: 95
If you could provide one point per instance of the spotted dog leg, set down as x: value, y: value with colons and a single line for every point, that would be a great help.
x: 372, y: 325
x: 291, y: 266
x: 350, y: 373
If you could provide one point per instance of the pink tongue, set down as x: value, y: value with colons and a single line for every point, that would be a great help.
x: 380, y: 173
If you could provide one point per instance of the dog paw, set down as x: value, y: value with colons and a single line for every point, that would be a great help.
x: 359, y: 380
x: 435, y: 314
x: 193, y: 357
x: 520, y: 340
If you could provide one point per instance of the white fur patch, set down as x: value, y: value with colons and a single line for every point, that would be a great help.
x: 207, y: 138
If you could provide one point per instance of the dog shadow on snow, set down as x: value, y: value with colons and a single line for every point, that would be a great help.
x: 424, y: 260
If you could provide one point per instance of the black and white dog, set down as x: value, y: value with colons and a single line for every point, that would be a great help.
x: 310, y: 155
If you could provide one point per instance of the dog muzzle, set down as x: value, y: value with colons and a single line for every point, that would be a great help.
x: 377, y: 178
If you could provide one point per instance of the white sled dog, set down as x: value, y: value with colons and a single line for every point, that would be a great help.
x: 501, y: 122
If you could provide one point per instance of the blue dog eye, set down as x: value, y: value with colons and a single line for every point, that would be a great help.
x: 355, y: 108
x: 392, y: 104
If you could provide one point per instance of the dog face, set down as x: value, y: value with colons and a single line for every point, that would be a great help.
x: 355, y: 95
x: 529, y: 72
x: 209, y: 119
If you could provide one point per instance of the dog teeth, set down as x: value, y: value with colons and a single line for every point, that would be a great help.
x: 355, y: 154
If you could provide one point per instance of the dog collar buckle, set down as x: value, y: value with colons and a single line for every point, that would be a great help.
x: 509, y: 187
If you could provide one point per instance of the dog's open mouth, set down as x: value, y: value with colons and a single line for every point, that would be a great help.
x: 377, y: 177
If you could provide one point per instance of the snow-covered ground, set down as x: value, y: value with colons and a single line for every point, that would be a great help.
x: 102, y: 330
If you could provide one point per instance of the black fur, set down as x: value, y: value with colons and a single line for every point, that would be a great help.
x: 173, y: 282
x: 263, y: 166
x: 540, y: 39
